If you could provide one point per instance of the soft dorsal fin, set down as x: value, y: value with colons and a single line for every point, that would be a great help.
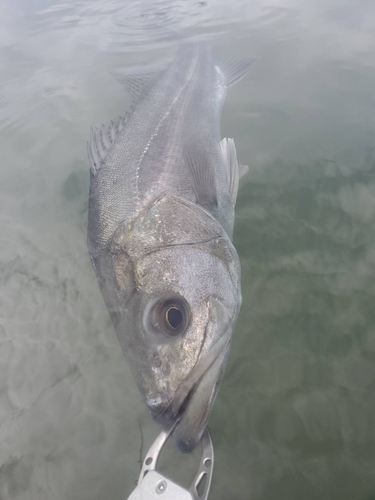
x: 233, y: 171
x: 234, y: 70
x: 135, y: 80
x: 202, y: 175
x: 101, y: 141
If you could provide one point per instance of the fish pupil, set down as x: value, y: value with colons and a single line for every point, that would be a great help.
x: 174, y: 317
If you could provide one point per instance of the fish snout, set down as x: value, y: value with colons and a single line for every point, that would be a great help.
x: 157, y: 407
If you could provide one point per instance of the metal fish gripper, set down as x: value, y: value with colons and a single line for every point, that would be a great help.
x: 154, y: 486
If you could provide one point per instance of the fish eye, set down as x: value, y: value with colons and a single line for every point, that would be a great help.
x: 168, y: 316
x: 174, y: 317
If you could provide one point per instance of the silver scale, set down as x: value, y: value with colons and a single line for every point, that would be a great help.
x: 154, y: 486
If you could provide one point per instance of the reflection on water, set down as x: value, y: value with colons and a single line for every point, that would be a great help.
x: 295, y: 415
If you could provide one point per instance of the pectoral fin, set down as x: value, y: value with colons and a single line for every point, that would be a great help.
x: 202, y: 175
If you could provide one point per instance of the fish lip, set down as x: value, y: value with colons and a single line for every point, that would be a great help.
x: 188, y: 397
x: 165, y: 416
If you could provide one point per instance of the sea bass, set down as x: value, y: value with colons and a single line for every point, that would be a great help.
x: 160, y: 225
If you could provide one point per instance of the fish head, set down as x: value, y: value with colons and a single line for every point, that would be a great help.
x: 174, y: 307
x: 189, y: 307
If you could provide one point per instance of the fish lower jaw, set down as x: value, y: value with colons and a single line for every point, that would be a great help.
x: 194, y: 410
x: 165, y: 417
x: 190, y: 441
x: 190, y: 405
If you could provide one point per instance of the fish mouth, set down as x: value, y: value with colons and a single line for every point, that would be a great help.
x: 192, y: 402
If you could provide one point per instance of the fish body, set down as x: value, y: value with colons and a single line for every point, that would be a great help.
x: 161, y: 216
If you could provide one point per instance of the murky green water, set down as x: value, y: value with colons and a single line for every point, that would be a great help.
x: 295, y: 417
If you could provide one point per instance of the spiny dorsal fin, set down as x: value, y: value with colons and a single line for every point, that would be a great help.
x: 101, y: 141
x: 234, y: 172
x: 202, y: 175
x: 234, y: 70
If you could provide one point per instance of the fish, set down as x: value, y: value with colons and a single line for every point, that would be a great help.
x: 163, y: 187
